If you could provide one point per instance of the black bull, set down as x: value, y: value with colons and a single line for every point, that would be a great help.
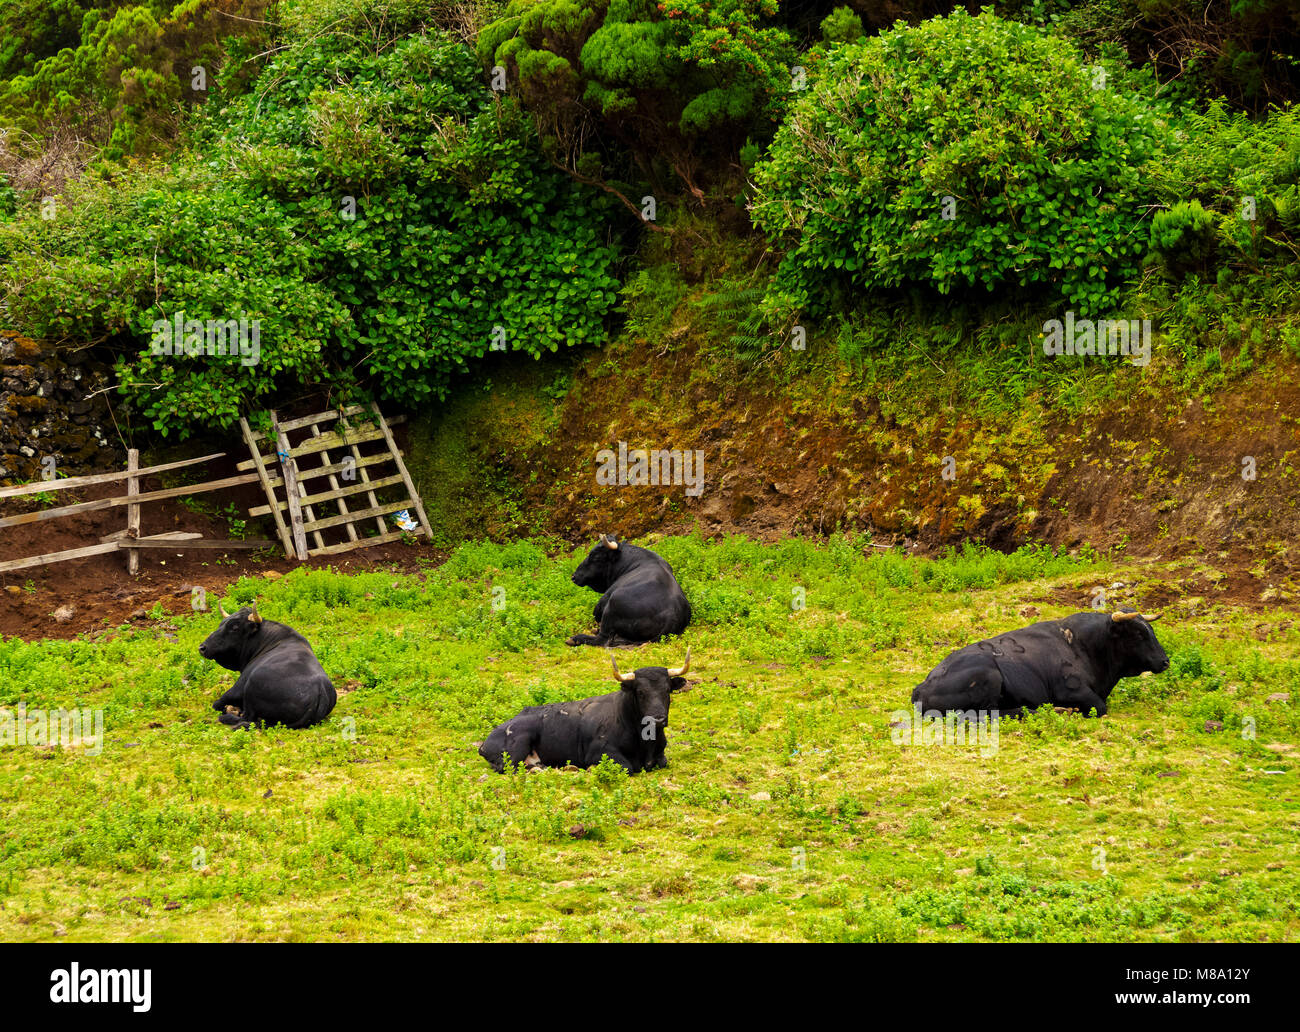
x: 280, y: 679
x: 626, y: 725
x: 640, y: 598
x: 1073, y: 663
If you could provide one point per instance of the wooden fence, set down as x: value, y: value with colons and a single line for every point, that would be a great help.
x: 128, y: 538
x: 295, y: 514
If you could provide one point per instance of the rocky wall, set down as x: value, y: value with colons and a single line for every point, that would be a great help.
x: 53, y: 402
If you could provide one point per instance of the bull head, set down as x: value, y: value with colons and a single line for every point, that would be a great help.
x: 1121, y: 617
x: 609, y: 542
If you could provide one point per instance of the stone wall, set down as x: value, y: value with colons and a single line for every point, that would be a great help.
x: 53, y: 402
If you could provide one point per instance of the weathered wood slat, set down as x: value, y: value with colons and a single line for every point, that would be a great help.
x: 322, y: 417
x: 179, y: 540
x: 196, y: 542
x: 71, y: 483
x: 329, y: 496
x: 289, y: 471
x: 334, y: 440
x: 171, y: 535
x: 308, y: 514
x: 401, y: 468
x: 334, y: 521
x: 267, y: 486
x: 132, y: 510
x: 58, y: 557
x: 321, y: 471
x: 347, y: 546
x: 247, y: 464
x: 110, y: 503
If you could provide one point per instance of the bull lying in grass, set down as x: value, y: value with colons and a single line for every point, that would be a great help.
x: 626, y: 725
x: 640, y: 598
x: 280, y: 680
x: 1073, y: 663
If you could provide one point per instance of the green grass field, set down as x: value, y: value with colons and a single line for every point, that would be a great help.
x: 787, y: 811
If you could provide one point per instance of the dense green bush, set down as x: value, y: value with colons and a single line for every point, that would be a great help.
x: 1247, y: 172
x: 964, y: 152
x: 674, y: 81
x: 842, y: 26
x: 31, y: 30
x: 117, y: 76
x: 462, y: 240
x: 386, y: 19
x: 1183, y: 237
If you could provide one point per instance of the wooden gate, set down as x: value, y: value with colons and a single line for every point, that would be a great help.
x: 291, y: 465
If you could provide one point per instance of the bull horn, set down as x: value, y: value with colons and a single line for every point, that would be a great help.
x: 1152, y: 618
x: 224, y: 614
x: 1120, y: 617
x: 617, y: 676
x: 255, y: 616
x: 686, y: 665
x: 609, y: 542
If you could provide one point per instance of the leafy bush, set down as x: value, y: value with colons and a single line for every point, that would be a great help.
x: 114, y: 74
x: 963, y: 152
x: 842, y: 25
x: 384, y: 218
x: 1183, y: 236
x: 669, y: 80
x: 1247, y: 173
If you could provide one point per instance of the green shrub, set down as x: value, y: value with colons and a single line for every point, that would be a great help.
x: 115, y: 75
x: 965, y: 152
x: 1183, y: 237
x: 670, y: 81
x: 842, y: 25
x: 1246, y: 172
x: 375, y: 208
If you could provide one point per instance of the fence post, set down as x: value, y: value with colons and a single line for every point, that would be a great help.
x: 132, y: 511
x: 292, y: 493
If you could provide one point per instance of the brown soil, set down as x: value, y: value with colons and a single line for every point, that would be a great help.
x: 1153, y: 473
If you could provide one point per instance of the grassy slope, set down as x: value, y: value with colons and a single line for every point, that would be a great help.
x: 382, y: 823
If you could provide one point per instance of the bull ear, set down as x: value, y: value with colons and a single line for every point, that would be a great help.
x: 621, y: 678
x: 255, y: 616
x: 686, y: 665
x: 677, y: 684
